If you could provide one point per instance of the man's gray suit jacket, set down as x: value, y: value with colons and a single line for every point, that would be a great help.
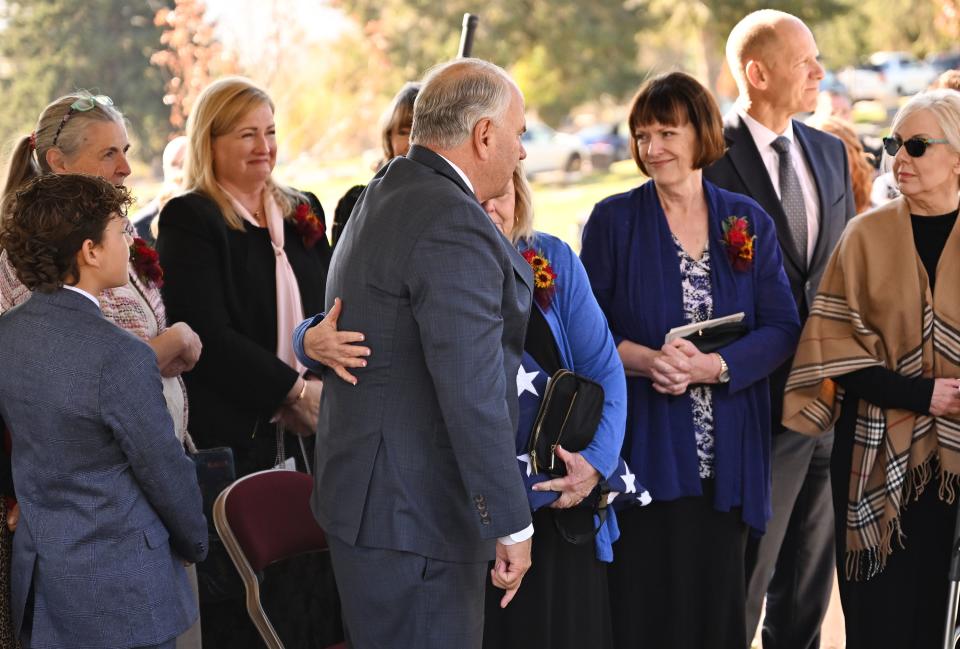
x: 420, y: 455
x: 109, y: 501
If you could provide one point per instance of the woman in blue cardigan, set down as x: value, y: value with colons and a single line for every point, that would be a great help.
x: 563, y: 601
x: 675, y: 251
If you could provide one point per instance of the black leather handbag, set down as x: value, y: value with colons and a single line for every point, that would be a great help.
x: 569, y: 415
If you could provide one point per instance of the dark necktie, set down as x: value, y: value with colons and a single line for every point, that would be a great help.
x: 791, y: 197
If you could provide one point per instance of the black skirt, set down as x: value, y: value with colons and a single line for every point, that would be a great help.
x: 562, y: 602
x: 906, y: 604
x: 677, y: 577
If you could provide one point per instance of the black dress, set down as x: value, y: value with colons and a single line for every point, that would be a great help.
x: 911, y: 592
x: 222, y: 282
x: 562, y: 602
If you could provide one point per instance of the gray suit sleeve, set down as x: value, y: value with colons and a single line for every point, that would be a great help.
x: 456, y: 282
x: 132, y: 405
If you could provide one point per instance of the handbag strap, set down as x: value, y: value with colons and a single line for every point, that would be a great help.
x: 597, y: 504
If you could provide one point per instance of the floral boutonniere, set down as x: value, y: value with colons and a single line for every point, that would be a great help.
x: 309, y: 227
x: 146, y: 263
x: 544, y: 277
x: 738, y: 242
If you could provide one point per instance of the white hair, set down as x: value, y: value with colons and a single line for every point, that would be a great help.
x: 454, y: 97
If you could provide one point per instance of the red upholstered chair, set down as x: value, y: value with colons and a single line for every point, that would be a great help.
x: 263, y: 518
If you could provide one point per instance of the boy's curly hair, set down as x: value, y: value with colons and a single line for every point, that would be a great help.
x: 50, y: 218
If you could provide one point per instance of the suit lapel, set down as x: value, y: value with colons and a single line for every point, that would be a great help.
x: 818, y: 167
x: 746, y: 160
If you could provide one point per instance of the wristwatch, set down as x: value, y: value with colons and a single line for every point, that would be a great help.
x: 724, y: 371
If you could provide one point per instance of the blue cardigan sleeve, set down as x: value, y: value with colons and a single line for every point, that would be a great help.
x: 598, y: 255
x: 314, y: 366
x: 591, y: 352
x: 777, y: 324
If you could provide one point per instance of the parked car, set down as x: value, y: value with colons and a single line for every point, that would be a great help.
x: 887, y: 75
x: 548, y: 150
x: 607, y: 143
x: 943, y: 62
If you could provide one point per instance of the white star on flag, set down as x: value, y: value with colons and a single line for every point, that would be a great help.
x: 525, y: 382
x: 526, y: 458
x: 628, y: 480
x: 645, y: 499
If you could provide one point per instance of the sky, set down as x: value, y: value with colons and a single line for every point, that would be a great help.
x: 245, y: 24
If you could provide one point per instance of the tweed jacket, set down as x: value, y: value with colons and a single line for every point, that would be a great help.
x: 109, y: 501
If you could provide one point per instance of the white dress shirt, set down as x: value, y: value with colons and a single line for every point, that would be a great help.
x: 83, y: 293
x: 763, y: 137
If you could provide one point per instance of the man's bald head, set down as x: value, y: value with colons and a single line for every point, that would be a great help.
x: 757, y: 37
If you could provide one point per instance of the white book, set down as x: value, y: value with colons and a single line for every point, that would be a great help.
x: 686, y: 330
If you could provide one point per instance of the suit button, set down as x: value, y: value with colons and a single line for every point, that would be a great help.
x: 807, y: 286
x: 482, y: 507
x: 478, y: 499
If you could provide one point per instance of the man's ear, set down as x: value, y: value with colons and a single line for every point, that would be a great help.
x: 756, y: 74
x: 483, y: 138
x: 89, y: 255
x: 55, y: 160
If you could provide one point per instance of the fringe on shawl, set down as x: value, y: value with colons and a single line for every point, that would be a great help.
x: 867, y: 563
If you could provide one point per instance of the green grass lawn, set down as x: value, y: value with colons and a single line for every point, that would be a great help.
x: 561, y: 202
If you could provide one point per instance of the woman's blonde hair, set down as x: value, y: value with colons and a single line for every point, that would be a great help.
x: 943, y: 104
x: 216, y: 112
x: 523, y: 207
x: 29, y: 156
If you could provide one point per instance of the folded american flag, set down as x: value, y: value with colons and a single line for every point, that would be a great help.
x: 532, y: 381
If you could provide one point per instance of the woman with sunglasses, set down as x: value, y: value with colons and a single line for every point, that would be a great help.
x: 879, y: 359
x: 85, y: 134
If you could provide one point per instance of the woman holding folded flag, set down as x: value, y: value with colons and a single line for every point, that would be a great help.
x: 563, y: 602
x: 678, y: 250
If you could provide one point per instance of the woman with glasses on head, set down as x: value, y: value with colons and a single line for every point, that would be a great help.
x: 879, y: 360
x: 85, y: 134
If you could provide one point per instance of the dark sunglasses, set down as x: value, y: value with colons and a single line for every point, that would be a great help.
x: 915, y: 146
x: 81, y: 105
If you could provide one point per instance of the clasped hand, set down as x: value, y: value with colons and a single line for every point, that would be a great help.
x: 679, y: 364
x: 945, y: 400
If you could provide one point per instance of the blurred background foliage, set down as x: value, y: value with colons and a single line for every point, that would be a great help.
x: 332, y: 73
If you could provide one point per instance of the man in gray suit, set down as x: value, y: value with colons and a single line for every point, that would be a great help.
x: 416, y: 480
x: 801, y: 177
x: 109, y: 503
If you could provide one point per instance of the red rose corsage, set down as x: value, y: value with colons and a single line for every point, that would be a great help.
x: 309, y: 227
x: 146, y: 263
x: 738, y: 242
x: 544, y: 277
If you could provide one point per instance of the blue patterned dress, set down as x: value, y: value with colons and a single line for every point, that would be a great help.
x: 697, y: 307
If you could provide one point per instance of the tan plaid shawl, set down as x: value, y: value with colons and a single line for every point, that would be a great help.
x: 875, y: 308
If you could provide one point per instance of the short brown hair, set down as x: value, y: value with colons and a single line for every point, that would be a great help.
x: 50, y: 218
x: 674, y: 99
x: 398, y: 114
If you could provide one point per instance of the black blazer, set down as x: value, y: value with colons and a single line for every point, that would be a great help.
x: 741, y: 170
x: 222, y: 282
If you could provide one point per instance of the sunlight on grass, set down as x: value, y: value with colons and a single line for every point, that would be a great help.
x: 561, y: 202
